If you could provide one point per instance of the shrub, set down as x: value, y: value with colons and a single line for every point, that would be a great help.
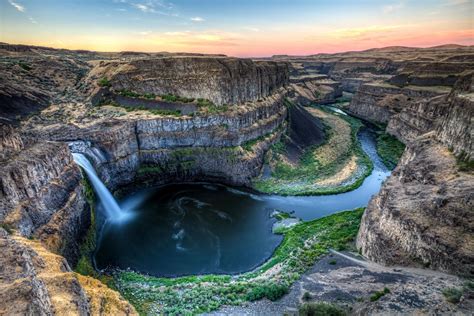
x: 7, y: 227
x: 333, y: 261
x: 104, y: 82
x: 320, y: 309
x: 377, y: 295
x: 24, y: 66
x: 270, y: 291
x: 306, y: 296
x: 453, y: 295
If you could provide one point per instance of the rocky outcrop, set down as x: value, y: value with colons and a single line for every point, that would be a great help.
x: 456, y: 129
x: 41, y: 196
x: 313, y: 89
x: 220, y: 79
x: 423, y: 214
x: 378, y: 102
x: 36, y: 282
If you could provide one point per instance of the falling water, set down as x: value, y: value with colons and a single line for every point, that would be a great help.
x: 113, y: 211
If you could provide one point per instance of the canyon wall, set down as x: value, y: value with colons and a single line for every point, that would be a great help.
x: 44, y: 213
x: 41, y: 195
x: 423, y: 213
x: 222, y: 80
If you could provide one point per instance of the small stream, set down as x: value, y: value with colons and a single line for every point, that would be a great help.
x: 202, y: 228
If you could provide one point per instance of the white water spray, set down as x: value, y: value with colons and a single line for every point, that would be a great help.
x: 113, y: 211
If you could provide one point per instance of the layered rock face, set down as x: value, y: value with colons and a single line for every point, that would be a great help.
x: 306, y: 89
x: 222, y: 80
x: 41, y: 195
x: 380, y: 101
x: 38, y: 282
x: 423, y: 214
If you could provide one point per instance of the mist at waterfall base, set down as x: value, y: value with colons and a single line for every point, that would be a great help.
x: 112, y: 210
x: 202, y: 228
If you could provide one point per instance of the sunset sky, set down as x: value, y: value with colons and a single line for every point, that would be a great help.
x: 238, y: 28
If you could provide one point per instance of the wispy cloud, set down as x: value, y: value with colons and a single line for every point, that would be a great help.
x: 393, y: 7
x: 143, y: 7
x: 251, y: 29
x: 153, y: 6
x: 197, y: 19
x: 144, y: 33
x: 17, y: 6
x: 32, y: 20
x: 456, y: 2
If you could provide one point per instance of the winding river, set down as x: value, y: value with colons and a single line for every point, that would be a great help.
x: 201, y: 228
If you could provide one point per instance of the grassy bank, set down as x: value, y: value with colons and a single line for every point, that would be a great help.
x: 303, y: 244
x: 337, y: 165
x: 390, y: 149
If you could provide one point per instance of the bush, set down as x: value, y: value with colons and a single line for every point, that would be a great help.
x: 104, y: 82
x: 453, y: 295
x: 306, y: 296
x: 8, y: 228
x: 377, y: 295
x: 320, y: 309
x: 24, y: 66
x: 270, y: 291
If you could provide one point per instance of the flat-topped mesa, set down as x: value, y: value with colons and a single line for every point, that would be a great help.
x: 221, y: 80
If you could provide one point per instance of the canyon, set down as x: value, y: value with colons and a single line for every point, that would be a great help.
x: 150, y: 119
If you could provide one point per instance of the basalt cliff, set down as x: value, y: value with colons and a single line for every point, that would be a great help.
x: 72, y: 104
x: 149, y: 119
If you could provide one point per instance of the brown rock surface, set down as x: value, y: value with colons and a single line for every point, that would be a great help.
x: 423, y: 213
x: 34, y: 281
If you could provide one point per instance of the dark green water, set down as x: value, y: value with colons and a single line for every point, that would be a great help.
x: 190, y: 229
x: 186, y: 229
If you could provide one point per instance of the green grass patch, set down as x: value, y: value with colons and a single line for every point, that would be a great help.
x: 24, y: 66
x: 8, y: 228
x: 320, y: 309
x: 289, y: 180
x: 104, y: 82
x: 377, y: 295
x: 302, y: 245
x: 390, y: 149
x: 464, y: 163
x: 84, y: 265
x: 453, y: 295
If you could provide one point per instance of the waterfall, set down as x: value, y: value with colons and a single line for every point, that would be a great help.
x: 112, y: 209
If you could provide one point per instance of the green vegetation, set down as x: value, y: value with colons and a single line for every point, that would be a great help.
x: 104, y: 82
x: 464, y: 163
x: 333, y: 261
x: 128, y: 93
x: 24, y: 66
x: 302, y: 245
x: 8, y: 228
x: 316, y: 164
x: 270, y: 291
x: 306, y: 296
x: 377, y: 295
x: 281, y: 216
x: 84, y: 265
x: 390, y: 149
x: 320, y: 309
x: 209, y: 107
x: 453, y: 295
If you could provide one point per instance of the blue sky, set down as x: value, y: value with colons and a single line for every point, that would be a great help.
x: 243, y: 28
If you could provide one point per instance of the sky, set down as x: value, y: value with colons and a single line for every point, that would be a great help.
x: 245, y: 28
